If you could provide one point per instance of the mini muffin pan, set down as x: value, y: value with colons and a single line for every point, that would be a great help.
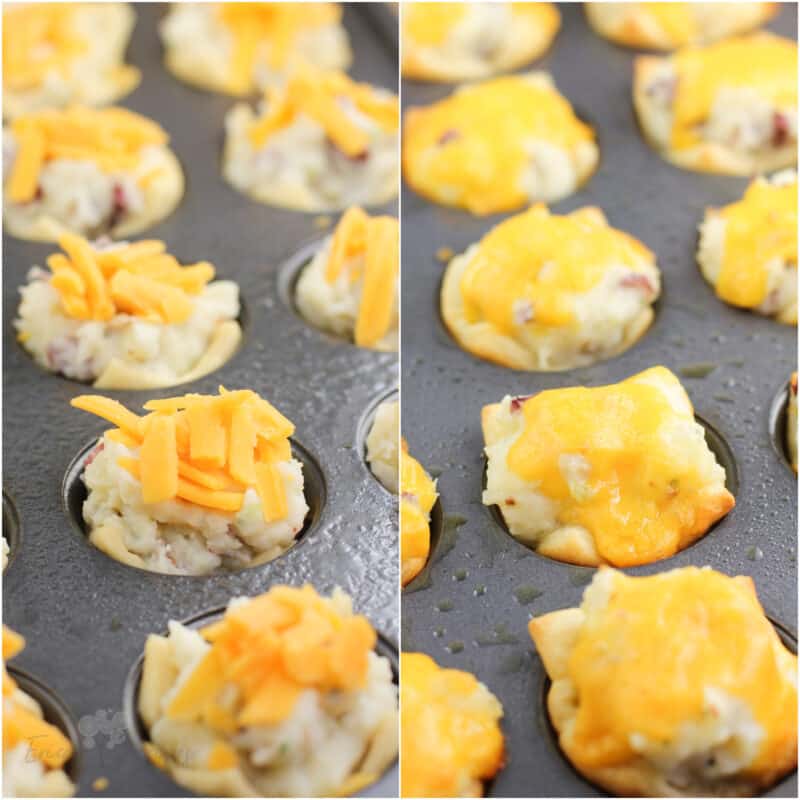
x: 470, y: 608
x: 85, y: 617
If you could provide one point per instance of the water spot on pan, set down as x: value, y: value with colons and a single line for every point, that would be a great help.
x: 74, y: 494
x: 545, y: 723
x: 778, y: 427
x: 12, y: 530
x: 365, y: 426
x: 137, y: 730
x: 55, y: 712
x: 716, y: 443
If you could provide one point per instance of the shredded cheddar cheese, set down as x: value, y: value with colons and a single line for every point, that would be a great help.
x: 451, y: 738
x: 641, y: 498
x: 645, y: 658
x: 325, y: 98
x: 139, y: 279
x: 272, y: 648
x: 367, y: 248
x: 113, y: 138
x: 47, y: 743
x: 267, y: 31
x: 762, y: 61
x: 204, y: 449
x: 544, y: 260
x: 417, y: 497
x: 760, y: 228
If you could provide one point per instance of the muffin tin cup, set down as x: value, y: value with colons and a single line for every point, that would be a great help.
x: 481, y: 587
x: 85, y: 616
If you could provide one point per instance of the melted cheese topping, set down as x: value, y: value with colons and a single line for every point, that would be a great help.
x: 641, y: 500
x: 762, y: 61
x: 278, y: 24
x: 450, y: 731
x: 372, y: 247
x: 141, y: 280
x: 430, y: 24
x: 272, y: 648
x: 544, y: 261
x: 760, y: 228
x: 47, y: 743
x: 113, y: 138
x: 324, y: 97
x: 38, y: 38
x: 204, y: 449
x: 417, y: 497
x: 642, y: 662
x: 478, y: 138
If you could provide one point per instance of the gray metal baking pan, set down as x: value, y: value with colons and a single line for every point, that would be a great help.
x: 85, y: 616
x: 470, y: 608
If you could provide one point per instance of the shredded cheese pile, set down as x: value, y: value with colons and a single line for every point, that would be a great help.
x: 369, y: 248
x: 38, y: 38
x: 139, y: 279
x: 451, y: 735
x: 760, y: 228
x: 763, y: 62
x: 325, y: 98
x: 204, y: 449
x: 276, y: 24
x: 47, y: 743
x: 272, y: 648
x: 113, y: 138
x: 546, y: 260
x: 645, y: 660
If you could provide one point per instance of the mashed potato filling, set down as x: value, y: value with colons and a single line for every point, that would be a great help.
x: 127, y: 316
x: 660, y: 684
x: 318, y: 143
x: 497, y: 145
x: 350, y: 288
x: 238, y: 48
x: 199, y: 484
x: 55, y: 54
x: 748, y: 249
x: 283, y: 697
x: 451, y: 737
x: 617, y: 474
x: 543, y: 291
x: 461, y: 41
x: 417, y: 498
x: 382, y: 441
x: 34, y: 751
x: 88, y: 171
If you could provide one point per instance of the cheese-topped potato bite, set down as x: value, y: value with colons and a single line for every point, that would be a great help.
x: 87, y: 171
x: 730, y: 107
x: 127, y: 316
x: 417, y: 498
x: 498, y: 145
x: 451, y: 740
x: 321, y: 142
x: 671, y: 685
x: 350, y: 287
x: 240, y: 48
x: 618, y: 474
x: 56, y: 54
x: 34, y: 751
x: 548, y: 292
x: 791, y: 422
x: 748, y: 249
x: 200, y: 484
x: 666, y: 26
x: 382, y: 440
x: 465, y: 41
x: 282, y: 697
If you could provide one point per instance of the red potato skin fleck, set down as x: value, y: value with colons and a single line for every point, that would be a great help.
x: 518, y: 402
x: 780, y: 127
x: 637, y: 281
x: 94, y: 453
